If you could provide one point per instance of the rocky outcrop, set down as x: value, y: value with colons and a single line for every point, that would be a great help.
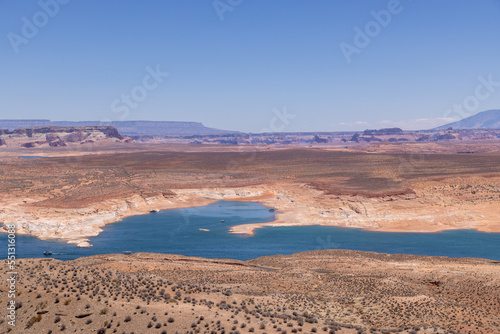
x: 383, y: 132
x: 112, y: 132
x: 318, y: 139
x: 355, y: 138
x: 54, y: 136
x: 57, y: 143
x: 446, y: 136
x: 77, y: 136
x: 423, y: 138
x: 109, y: 131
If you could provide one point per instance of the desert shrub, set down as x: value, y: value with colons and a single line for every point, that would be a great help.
x: 33, y: 320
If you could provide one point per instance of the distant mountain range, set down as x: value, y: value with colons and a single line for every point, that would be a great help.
x: 126, y: 128
x: 489, y: 119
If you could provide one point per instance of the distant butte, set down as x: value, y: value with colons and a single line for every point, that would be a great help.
x: 125, y: 127
x: 55, y: 136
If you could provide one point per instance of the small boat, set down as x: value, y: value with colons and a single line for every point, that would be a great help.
x: 154, y: 211
x: 204, y: 229
x: 47, y: 253
x: 127, y: 252
x: 271, y: 210
x: 222, y: 221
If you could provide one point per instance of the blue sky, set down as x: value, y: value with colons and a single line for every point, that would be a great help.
x: 236, y: 64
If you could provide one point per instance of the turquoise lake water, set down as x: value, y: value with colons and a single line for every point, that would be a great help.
x: 177, y: 232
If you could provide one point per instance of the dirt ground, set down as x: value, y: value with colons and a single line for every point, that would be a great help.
x: 328, y: 291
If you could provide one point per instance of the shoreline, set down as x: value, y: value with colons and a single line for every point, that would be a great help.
x: 78, y: 231
x: 296, y: 205
x: 249, y: 229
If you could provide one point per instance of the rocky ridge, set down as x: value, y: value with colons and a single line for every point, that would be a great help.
x: 54, y: 136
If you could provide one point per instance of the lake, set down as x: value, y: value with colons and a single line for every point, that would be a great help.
x: 177, y: 232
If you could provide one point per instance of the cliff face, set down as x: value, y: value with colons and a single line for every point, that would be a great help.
x: 54, y: 136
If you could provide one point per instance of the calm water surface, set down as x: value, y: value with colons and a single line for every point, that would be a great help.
x: 177, y: 232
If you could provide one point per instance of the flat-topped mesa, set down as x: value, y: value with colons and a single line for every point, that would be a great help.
x: 383, y: 132
x: 128, y: 128
x: 54, y: 136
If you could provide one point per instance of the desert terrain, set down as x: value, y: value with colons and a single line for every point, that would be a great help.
x: 71, y: 192
x: 328, y: 291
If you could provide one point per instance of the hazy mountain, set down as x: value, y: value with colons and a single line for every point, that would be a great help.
x: 125, y: 127
x: 489, y: 119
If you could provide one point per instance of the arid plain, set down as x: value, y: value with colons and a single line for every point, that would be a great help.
x: 400, y: 187
x: 329, y: 291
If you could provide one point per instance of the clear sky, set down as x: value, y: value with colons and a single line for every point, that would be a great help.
x: 237, y: 64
